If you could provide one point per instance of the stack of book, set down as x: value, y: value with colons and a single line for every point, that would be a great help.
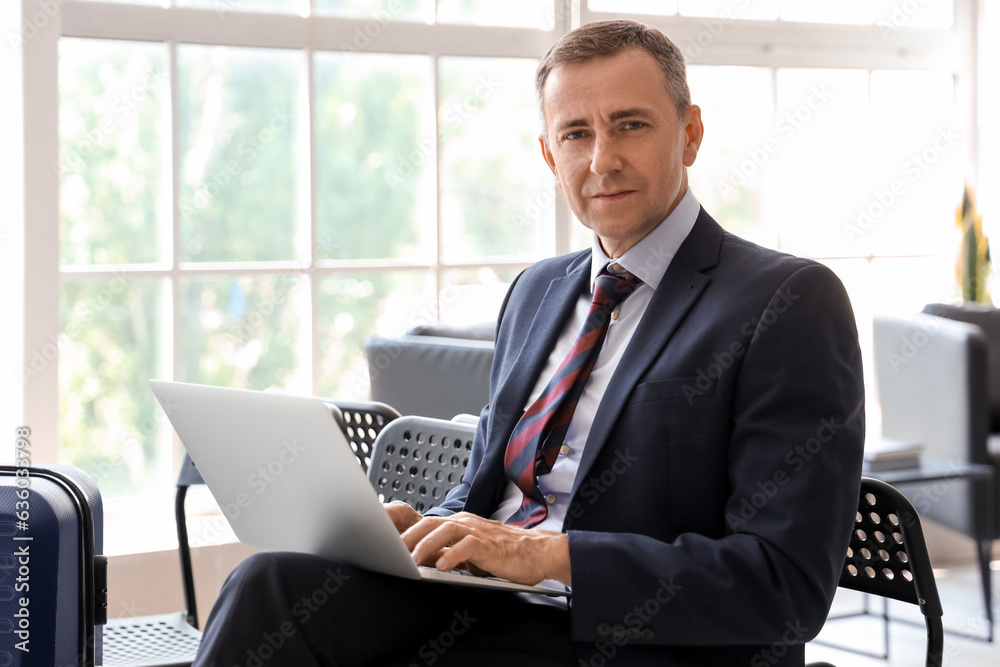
x: 892, y: 454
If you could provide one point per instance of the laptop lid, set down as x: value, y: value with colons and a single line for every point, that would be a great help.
x: 281, y: 469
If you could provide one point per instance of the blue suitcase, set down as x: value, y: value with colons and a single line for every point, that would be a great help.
x: 53, y: 578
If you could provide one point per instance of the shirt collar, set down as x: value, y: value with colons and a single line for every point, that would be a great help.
x: 649, y: 258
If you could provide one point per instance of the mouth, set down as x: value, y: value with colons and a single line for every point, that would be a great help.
x: 615, y: 195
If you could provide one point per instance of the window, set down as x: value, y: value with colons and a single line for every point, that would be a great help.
x: 249, y: 188
x: 245, y: 214
x: 854, y: 156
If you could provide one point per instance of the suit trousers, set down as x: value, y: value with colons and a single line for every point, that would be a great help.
x: 298, y: 609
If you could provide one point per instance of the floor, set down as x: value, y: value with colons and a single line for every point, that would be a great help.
x: 961, y: 597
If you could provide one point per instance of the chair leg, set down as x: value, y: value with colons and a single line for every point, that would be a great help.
x: 985, y: 553
x: 935, y: 642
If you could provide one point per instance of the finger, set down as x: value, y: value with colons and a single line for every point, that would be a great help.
x: 466, y: 550
x: 444, y: 535
x: 412, y: 535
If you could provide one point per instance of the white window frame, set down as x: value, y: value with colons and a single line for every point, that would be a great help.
x: 36, y: 331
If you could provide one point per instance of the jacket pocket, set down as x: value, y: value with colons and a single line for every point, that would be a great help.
x: 689, y: 388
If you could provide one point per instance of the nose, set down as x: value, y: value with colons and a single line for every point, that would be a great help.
x: 606, y: 157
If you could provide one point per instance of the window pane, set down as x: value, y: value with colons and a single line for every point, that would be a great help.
x: 491, y: 165
x: 661, y: 7
x: 381, y: 13
x: 356, y: 306
x: 902, y: 285
x: 112, y: 110
x: 736, y: 165
x: 824, y: 159
x: 240, y: 171
x: 887, y: 14
x: 823, y: 11
x: 222, y: 7
x: 471, y: 296
x: 109, y: 423
x: 916, y: 160
x: 375, y: 148
x: 245, y: 332
x: 758, y: 10
x: 514, y: 13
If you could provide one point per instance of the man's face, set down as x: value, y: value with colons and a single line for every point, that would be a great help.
x: 617, y: 146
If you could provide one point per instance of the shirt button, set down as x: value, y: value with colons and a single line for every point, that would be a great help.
x: 614, y: 315
x: 616, y: 267
x: 564, y: 450
x: 550, y: 499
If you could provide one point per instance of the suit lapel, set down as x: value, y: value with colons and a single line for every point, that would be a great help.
x: 550, y: 318
x: 679, y: 289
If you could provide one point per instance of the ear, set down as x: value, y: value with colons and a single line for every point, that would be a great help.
x: 549, y: 158
x: 694, y: 131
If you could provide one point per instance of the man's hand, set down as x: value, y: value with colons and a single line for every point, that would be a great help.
x: 512, y: 553
x: 402, y: 515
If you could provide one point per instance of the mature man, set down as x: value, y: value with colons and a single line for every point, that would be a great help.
x: 674, y: 431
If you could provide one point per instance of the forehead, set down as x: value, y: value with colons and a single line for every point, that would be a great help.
x: 629, y: 79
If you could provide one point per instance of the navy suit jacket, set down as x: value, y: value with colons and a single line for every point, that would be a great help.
x: 710, y: 516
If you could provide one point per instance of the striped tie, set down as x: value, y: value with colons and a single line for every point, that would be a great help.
x: 538, y: 435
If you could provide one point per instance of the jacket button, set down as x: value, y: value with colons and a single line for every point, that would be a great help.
x: 632, y: 633
x: 647, y: 635
x: 604, y: 629
x: 619, y: 630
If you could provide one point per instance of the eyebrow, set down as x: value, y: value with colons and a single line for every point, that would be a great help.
x: 615, y: 116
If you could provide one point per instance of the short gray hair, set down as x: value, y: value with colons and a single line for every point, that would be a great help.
x: 609, y: 38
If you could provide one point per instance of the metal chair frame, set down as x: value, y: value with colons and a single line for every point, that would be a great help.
x: 888, y: 557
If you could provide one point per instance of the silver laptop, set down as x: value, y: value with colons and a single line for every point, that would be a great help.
x: 286, y: 479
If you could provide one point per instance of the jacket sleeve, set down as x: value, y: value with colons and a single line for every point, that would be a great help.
x: 792, y: 467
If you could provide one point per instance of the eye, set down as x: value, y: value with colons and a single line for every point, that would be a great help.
x: 571, y: 136
x: 634, y: 125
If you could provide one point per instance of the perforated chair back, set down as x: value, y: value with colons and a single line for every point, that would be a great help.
x: 419, y: 459
x: 363, y: 421
x: 888, y: 556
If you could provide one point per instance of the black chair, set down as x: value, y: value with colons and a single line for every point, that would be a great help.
x: 888, y: 557
x: 419, y: 459
x: 172, y: 640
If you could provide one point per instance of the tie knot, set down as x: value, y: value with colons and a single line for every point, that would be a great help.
x: 610, y: 289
